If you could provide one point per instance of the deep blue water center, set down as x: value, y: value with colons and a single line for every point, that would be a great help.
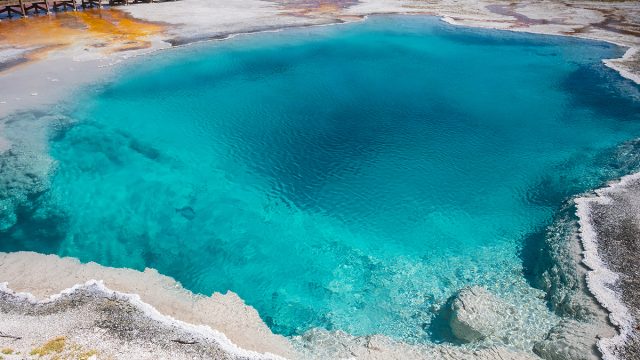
x: 350, y: 177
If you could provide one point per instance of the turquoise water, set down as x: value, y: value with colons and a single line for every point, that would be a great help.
x: 350, y: 177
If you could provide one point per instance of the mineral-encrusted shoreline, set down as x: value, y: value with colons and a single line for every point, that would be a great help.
x: 145, y: 315
x: 610, y: 231
x: 91, y: 321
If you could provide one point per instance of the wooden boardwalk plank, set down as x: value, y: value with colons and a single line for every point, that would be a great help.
x: 23, y: 7
x: 57, y: 4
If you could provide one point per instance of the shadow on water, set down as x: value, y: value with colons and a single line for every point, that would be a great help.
x: 540, y: 259
x: 38, y: 228
x: 439, y: 328
x: 603, y: 91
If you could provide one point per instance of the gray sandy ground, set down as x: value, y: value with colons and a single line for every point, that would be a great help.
x: 617, y: 224
x: 107, y: 326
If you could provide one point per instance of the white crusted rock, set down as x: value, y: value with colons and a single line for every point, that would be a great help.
x: 477, y: 314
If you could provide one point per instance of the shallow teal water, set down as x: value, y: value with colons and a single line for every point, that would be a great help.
x: 349, y: 177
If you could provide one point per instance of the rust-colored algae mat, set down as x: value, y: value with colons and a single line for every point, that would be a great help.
x: 109, y: 30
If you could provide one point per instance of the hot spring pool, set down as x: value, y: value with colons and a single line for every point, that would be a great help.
x: 350, y: 177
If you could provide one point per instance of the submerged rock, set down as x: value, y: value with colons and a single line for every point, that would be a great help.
x: 476, y: 314
x: 8, y: 216
x: 187, y: 212
x: 25, y: 166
